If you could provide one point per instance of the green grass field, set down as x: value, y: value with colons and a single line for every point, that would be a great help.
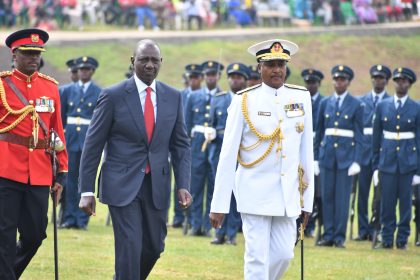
x: 90, y: 254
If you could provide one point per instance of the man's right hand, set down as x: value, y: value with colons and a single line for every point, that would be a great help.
x: 88, y: 205
x: 216, y: 219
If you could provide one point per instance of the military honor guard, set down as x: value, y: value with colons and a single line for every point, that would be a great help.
x: 254, y: 76
x: 338, y: 144
x: 238, y: 74
x: 78, y: 101
x: 380, y: 74
x: 197, y: 118
x: 29, y: 110
x: 194, y: 74
x: 396, y: 157
x: 269, y: 132
x: 312, y: 79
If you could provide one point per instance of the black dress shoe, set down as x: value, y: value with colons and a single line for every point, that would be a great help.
x: 418, y: 243
x: 402, y: 246
x: 177, y: 224
x: 339, y: 244
x: 384, y: 246
x: 195, y: 232
x: 363, y: 238
x: 218, y: 240
x: 325, y: 243
x: 231, y: 241
x: 66, y: 226
x: 309, y: 234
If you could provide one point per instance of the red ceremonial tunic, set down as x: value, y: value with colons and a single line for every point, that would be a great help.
x: 17, y: 162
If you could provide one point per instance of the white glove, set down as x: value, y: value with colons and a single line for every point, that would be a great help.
x: 416, y: 180
x: 316, y: 168
x: 209, y: 133
x: 354, y: 169
x: 375, y: 177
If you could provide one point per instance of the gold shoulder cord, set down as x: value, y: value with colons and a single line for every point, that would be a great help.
x: 275, y: 136
x: 22, y: 112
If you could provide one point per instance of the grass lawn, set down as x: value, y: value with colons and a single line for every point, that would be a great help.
x: 90, y: 254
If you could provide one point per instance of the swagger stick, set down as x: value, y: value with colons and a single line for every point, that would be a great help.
x: 53, y: 137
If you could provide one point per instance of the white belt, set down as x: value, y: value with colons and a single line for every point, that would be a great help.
x: 197, y: 129
x: 398, y: 135
x: 78, y: 121
x: 368, y: 131
x: 314, y: 134
x: 339, y: 132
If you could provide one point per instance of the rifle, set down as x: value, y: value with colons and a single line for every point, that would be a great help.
x: 416, y: 204
x: 352, y: 203
x: 375, y: 223
x: 54, y: 163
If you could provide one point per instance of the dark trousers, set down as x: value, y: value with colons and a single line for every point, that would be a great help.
x: 335, y: 191
x: 139, y: 231
x: 23, y: 208
x: 395, y: 187
x: 365, y: 180
x: 72, y: 214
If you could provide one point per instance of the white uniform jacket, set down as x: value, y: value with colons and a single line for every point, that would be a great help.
x: 269, y: 188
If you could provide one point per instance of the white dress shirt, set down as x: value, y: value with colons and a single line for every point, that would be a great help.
x: 342, y: 96
x: 403, y: 99
x: 141, y: 88
x: 85, y: 85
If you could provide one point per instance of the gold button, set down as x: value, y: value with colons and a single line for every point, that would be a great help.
x: 338, y: 113
x: 336, y: 123
x: 409, y: 121
x: 414, y: 148
x: 398, y: 117
x: 31, y: 102
x: 335, y: 145
x: 385, y: 119
x: 206, y: 124
x: 196, y: 110
x: 346, y: 117
x: 398, y: 148
x: 281, y: 120
x: 397, y: 127
x: 352, y: 143
x: 327, y: 116
x: 78, y: 128
x: 283, y: 156
x: 90, y: 104
x: 29, y: 86
x: 71, y: 103
x: 282, y: 174
x: 78, y: 110
x: 380, y: 149
x: 206, y: 115
x: 31, y: 150
x: 208, y: 107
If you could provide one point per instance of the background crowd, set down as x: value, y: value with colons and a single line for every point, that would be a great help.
x: 199, y: 14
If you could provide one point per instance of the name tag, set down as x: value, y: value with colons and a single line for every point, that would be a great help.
x: 44, y: 104
x: 266, y: 114
x: 294, y: 110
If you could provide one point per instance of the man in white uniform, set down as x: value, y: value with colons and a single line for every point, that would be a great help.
x: 269, y: 132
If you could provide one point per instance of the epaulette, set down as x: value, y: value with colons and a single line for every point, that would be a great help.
x: 248, y: 89
x: 221, y: 93
x: 295, y: 87
x: 46, y: 77
x: 5, y: 73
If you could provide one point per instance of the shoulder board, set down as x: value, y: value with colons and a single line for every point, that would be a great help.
x: 221, y: 93
x: 5, y: 73
x: 295, y: 87
x: 247, y: 89
x: 46, y: 77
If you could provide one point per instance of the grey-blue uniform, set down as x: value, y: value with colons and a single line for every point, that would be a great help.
x: 311, y: 74
x: 190, y: 70
x: 78, y: 101
x: 218, y: 112
x: 338, y: 145
x: 197, y: 117
x: 369, y: 101
x: 396, y: 154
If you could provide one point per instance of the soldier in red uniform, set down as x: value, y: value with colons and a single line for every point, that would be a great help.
x: 29, y: 109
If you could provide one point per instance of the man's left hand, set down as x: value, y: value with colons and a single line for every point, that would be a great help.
x: 305, y: 216
x: 57, y: 190
x: 184, y: 198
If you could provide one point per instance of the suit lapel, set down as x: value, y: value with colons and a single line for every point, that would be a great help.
x: 160, y: 103
x: 132, y: 100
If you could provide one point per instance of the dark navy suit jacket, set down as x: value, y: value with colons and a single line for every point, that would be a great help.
x: 118, y: 127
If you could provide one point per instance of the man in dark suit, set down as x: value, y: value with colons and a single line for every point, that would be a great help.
x: 137, y: 122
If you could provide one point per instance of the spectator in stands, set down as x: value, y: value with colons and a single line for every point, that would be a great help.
x: 192, y: 11
x: 364, y: 11
x: 143, y: 9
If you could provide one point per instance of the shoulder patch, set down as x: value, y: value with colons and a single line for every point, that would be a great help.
x: 247, y: 89
x: 46, y: 77
x: 295, y: 87
x: 5, y: 73
x: 221, y: 93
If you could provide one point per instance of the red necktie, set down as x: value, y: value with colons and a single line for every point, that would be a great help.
x: 149, y: 118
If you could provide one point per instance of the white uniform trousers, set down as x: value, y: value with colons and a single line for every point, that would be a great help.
x: 269, y: 245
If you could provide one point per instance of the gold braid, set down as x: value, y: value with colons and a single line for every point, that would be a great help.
x: 22, y: 112
x: 276, y: 135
